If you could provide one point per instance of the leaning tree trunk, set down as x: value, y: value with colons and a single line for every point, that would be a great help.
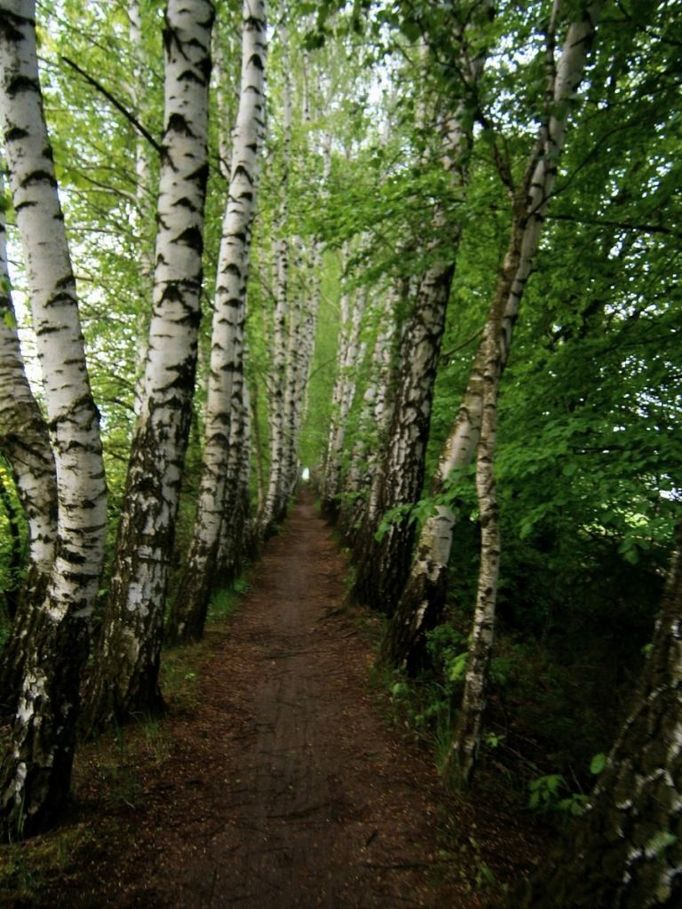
x: 36, y: 770
x: 125, y: 673
x: 25, y: 443
x: 385, y: 565
x: 227, y: 339
x: 421, y: 605
x: 463, y: 752
x: 626, y: 851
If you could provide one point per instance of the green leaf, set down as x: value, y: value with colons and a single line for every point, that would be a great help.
x: 598, y: 763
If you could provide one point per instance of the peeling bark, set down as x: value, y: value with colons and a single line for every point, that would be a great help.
x: 275, y: 500
x: 125, y: 677
x: 25, y: 443
x: 224, y: 410
x: 36, y: 771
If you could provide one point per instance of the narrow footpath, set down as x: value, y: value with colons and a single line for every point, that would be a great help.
x: 284, y: 785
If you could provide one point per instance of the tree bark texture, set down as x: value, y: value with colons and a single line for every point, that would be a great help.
x: 238, y: 536
x: 372, y: 426
x: 36, y: 771
x: 226, y: 383
x: 25, y: 443
x: 125, y: 676
x: 384, y: 569
x: 348, y: 361
x: 422, y: 602
x: 275, y: 500
x: 463, y: 752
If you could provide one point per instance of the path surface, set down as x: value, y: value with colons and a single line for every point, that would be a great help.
x: 284, y: 786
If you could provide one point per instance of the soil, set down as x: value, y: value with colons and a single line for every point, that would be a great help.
x: 281, y: 783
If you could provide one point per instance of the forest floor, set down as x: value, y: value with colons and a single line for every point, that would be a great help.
x: 276, y: 778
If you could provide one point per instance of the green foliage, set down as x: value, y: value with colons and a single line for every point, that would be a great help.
x: 550, y: 793
x: 225, y: 601
x: 598, y: 763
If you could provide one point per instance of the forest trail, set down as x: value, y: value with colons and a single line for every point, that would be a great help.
x: 283, y: 786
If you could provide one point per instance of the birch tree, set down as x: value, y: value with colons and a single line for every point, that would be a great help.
x: 275, y: 500
x: 422, y: 601
x: 385, y: 565
x: 25, y: 443
x: 224, y: 408
x: 125, y: 676
x: 348, y: 358
x: 36, y: 770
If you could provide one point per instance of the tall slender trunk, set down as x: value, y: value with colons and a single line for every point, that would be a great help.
x: 372, y: 427
x: 422, y: 602
x: 344, y: 395
x: 25, y: 443
x: 275, y: 500
x: 626, y: 851
x: 385, y: 566
x: 36, y: 770
x: 462, y: 756
x: 226, y: 380
x: 125, y: 675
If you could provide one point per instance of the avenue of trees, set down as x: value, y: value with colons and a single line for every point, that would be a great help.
x: 430, y: 251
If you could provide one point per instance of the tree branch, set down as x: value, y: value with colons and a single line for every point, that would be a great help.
x: 131, y: 118
x: 623, y: 225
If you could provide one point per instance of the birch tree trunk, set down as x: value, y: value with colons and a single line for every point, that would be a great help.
x: 125, y: 676
x: 36, y: 770
x: 25, y: 443
x: 385, y: 566
x: 421, y: 605
x: 626, y: 851
x: 294, y: 363
x: 372, y: 428
x: 237, y: 537
x: 226, y: 380
x: 352, y: 309
x: 462, y: 756
x: 275, y: 500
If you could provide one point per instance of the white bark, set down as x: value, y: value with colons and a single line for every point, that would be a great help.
x: 225, y: 383
x: 35, y: 777
x: 24, y: 438
x: 364, y: 471
x: 425, y: 586
x: 126, y: 670
x: 275, y: 500
x: 349, y: 356
x: 384, y: 570
x: 465, y: 744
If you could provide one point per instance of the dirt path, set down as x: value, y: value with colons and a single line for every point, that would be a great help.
x: 283, y: 786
